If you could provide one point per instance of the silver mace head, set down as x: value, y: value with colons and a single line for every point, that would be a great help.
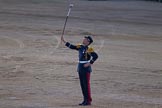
x: 71, y: 5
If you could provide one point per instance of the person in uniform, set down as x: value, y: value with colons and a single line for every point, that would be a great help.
x: 87, y: 56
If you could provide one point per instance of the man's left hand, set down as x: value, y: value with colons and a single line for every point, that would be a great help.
x: 87, y: 64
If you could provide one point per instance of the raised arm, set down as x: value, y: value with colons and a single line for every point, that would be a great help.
x: 71, y: 46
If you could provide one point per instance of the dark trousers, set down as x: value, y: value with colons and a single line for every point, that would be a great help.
x: 85, y: 86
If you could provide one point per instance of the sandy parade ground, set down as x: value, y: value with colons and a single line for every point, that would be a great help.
x: 37, y: 72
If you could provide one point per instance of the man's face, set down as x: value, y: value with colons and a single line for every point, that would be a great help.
x: 85, y: 41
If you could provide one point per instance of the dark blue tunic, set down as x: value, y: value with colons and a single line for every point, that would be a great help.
x: 85, y: 54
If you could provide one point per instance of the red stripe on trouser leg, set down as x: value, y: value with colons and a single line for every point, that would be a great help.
x: 89, y: 89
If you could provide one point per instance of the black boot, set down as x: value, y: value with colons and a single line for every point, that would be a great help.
x: 86, y: 104
x: 81, y: 104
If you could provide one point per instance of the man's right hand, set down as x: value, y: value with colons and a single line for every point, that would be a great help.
x: 62, y: 39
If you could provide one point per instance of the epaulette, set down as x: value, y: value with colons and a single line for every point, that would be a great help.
x: 78, y: 45
x: 90, y: 50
